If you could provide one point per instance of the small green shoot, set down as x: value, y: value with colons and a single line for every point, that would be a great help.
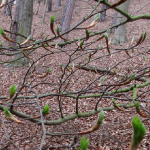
x: 12, y: 91
x: 83, y: 144
x: 7, y: 113
x: 139, y: 132
x: 101, y: 118
x: 45, y: 110
x: 2, y: 32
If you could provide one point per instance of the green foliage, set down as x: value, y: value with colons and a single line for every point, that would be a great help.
x: 2, y: 32
x: 97, y: 16
x: 7, y: 113
x: 134, y: 93
x: 133, y: 76
x: 87, y: 34
x: 83, y: 144
x: 137, y: 105
x: 45, y: 110
x: 52, y: 19
x: 48, y: 70
x: 101, y: 118
x: 12, y: 91
x: 139, y: 131
x: 58, y: 31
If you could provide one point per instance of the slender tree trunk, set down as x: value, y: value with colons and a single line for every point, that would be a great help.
x: 57, y: 3
x: 114, y: 22
x: 44, y: 11
x: 67, y: 16
x: 103, y: 14
x: 120, y: 33
x: 9, y: 8
x: 49, y: 5
x: 22, y: 24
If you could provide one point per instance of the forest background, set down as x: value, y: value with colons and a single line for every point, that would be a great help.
x: 76, y: 76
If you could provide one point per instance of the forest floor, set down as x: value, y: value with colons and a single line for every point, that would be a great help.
x: 116, y: 131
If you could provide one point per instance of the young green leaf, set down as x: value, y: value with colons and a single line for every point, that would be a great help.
x: 45, y: 110
x: 12, y: 91
x: 2, y: 32
x: 101, y: 118
x: 83, y: 144
x: 137, y: 105
x: 7, y: 113
x: 134, y: 93
x: 139, y: 132
x: 48, y: 70
x: 52, y: 24
x: 87, y: 34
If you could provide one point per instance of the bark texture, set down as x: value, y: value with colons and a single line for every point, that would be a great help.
x: 22, y: 25
x: 120, y: 36
x: 57, y: 3
x: 67, y: 16
x: 103, y: 14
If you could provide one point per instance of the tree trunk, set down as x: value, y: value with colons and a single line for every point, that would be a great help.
x: 49, y: 5
x: 22, y: 24
x: 44, y: 11
x: 114, y: 22
x: 103, y: 14
x: 67, y: 16
x: 9, y: 8
x: 120, y: 33
x: 58, y: 3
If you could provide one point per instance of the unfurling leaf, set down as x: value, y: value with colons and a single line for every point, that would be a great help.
x: 12, y: 91
x: 115, y: 105
x: 134, y: 93
x: 87, y: 34
x: 58, y: 32
x: 7, y: 113
x: 47, y: 72
x: 26, y: 41
x: 101, y: 118
x: 81, y: 44
x: 52, y: 24
x: 45, y: 110
x: 83, y: 144
x: 139, y: 111
x: 139, y: 132
x: 3, y: 3
x: 4, y: 35
x: 96, y: 18
x: 96, y: 126
x: 11, y: 117
x: 2, y: 32
x: 101, y: 81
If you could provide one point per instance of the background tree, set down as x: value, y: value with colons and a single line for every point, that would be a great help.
x: 67, y: 16
x: 120, y: 36
x: 57, y: 3
x: 22, y: 24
